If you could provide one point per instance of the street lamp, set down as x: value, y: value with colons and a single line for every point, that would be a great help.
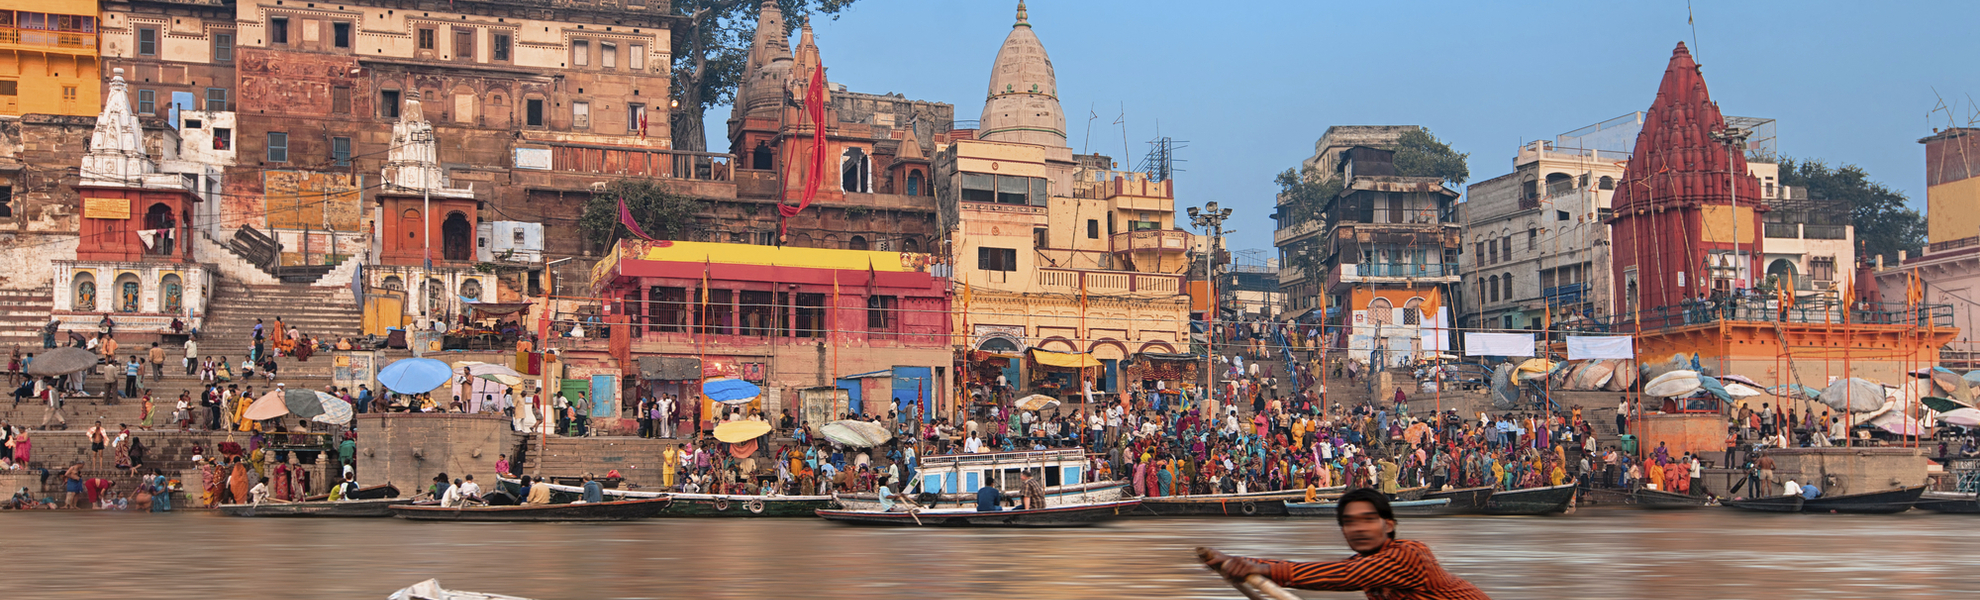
x: 1735, y: 140
x: 1211, y: 218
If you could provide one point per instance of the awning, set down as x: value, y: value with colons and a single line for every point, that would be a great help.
x: 1168, y: 356
x: 1066, y: 360
x: 1295, y: 315
x: 496, y: 309
x: 870, y: 375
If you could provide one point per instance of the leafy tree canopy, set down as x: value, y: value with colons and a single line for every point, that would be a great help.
x: 710, y: 55
x: 1420, y: 154
x: 1304, y: 193
x: 660, y: 211
x: 1884, y: 225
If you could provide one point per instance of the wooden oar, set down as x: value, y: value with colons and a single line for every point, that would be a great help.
x: 1256, y: 587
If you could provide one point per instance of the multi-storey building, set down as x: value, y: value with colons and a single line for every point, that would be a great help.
x: 1388, y: 246
x: 1948, y: 267
x: 48, y: 58
x: 1297, y: 237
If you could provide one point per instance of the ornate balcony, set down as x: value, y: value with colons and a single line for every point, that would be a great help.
x: 1151, y: 240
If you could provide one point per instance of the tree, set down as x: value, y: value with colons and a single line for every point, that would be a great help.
x: 660, y: 211
x: 1305, y: 194
x: 711, y: 52
x: 1884, y: 225
x: 1420, y: 154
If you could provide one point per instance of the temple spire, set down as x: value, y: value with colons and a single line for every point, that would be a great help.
x: 1023, y: 102
x: 1023, y: 16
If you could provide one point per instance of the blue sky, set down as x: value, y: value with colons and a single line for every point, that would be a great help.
x: 1252, y: 85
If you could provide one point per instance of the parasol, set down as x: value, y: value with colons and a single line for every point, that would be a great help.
x: 1740, y: 378
x: 1972, y: 376
x: 1037, y: 402
x: 855, y: 433
x: 1944, y: 405
x: 736, y: 432
x: 61, y: 361
x: 1741, y: 390
x: 335, y: 410
x: 304, y: 403
x: 1711, y: 384
x: 415, y: 375
x: 269, y: 406
x: 730, y: 391
x: 1673, y: 384
x: 490, y: 372
x: 1854, y: 394
x: 1965, y: 417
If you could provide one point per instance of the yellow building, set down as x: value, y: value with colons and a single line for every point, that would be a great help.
x: 1053, y: 251
x: 48, y: 60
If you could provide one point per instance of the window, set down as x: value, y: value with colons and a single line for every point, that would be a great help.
x: 147, y: 102
x: 1508, y: 281
x: 1092, y: 229
x: 340, y: 34
x: 147, y: 41
x: 194, y: 123
x: 10, y: 88
x: 388, y: 104
x: 581, y: 115
x: 278, y: 30
x: 533, y: 112
x: 223, y: 138
x: 216, y: 99
x: 1560, y: 215
x: 880, y: 312
x: 1380, y: 312
x: 996, y: 259
x: 6, y: 201
x: 636, y: 119
x: 1532, y: 238
x: 608, y: 55
x: 1493, y: 247
x: 1013, y: 190
x: 340, y: 100
x: 1506, y: 244
x: 1822, y: 268
x: 580, y: 53
x: 426, y: 38
x: 223, y: 47
x: 498, y: 47
x: 340, y: 151
x: 1479, y: 254
x: 68, y: 93
x: 463, y: 44
x: 1606, y: 182
x: 977, y: 187
x: 278, y: 146
x: 1495, y: 288
x: 636, y: 57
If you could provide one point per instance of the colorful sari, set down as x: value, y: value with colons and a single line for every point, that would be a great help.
x: 238, y: 483
x: 281, y: 480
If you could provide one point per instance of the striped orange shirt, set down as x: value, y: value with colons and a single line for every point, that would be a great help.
x: 1401, y: 570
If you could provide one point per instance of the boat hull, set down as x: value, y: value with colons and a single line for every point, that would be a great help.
x: 1774, y: 504
x: 341, y: 508
x: 376, y: 492
x: 1531, y: 501
x: 622, y: 510
x: 1463, y: 500
x: 1085, y: 493
x: 741, y: 506
x: 1873, y: 503
x: 1255, y: 504
x: 1061, y: 516
x: 1943, y: 502
x: 1402, y: 508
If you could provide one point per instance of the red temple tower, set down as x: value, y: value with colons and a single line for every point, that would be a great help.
x: 1679, y: 231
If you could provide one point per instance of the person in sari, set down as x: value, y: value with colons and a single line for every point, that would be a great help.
x: 213, y: 485
x: 161, y: 493
x: 238, y: 482
x: 298, y: 481
x: 23, y: 447
x: 303, y: 348
x: 144, y: 412
x: 258, y: 458
x: 281, y: 481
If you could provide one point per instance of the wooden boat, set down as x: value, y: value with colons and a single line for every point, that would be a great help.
x: 1775, y: 504
x: 1080, y: 493
x: 1248, y: 504
x: 376, y: 492
x: 1077, y: 515
x: 1531, y: 501
x: 1660, y: 499
x: 1411, y: 493
x: 1876, y: 503
x: 1465, y: 499
x: 1949, y: 502
x: 1404, y: 508
x: 744, y: 505
x: 619, y: 510
x: 431, y: 590
x: 341, y: 508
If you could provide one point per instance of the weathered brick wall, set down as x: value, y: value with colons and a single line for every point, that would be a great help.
x: 1850, y: 470
x: 407, y: 450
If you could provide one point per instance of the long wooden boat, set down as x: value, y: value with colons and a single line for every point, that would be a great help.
x: 1463, y: 499
x: 1774, y: 504
x: 1411, y: 493
x: 341, y: 508
x: 1531, y: 501
x: 1875, y: 503
x: 1058, y: 495
x: 431, y: 590
x: 1248, y: 504
x: 619, y: 510
x: 376, y: 492
x: 1077, y: 515
x: 1662, y: 500
x: 744, y: 505
x: 1949, y: 502
x: 1402, y: 508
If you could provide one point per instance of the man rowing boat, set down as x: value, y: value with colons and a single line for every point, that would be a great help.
x: 1384, y: 568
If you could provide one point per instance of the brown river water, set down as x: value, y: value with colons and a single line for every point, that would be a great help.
x: 1706, y: 553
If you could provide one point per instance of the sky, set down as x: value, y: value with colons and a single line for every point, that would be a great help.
x: 1251, y: 90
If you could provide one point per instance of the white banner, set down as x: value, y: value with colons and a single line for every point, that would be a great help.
x: 1581, y: 347
x: 1498, y: 344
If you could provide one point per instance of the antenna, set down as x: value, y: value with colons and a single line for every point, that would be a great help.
x: 1088, y: 144
x: 1160, y: 162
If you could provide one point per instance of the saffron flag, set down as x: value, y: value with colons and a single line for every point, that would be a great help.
x: 626, y: 219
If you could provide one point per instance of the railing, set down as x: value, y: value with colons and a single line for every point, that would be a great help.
x: 52, y: 39
x: 1768, y: 310
x: 1572, y: 293
x: 1108, y: 282
x: 637, y: 162
x: 1781, y: 230
x: 1151, y: 239
x: 1965, y: 242
x: 1363, y: 270
x: 1825, y: 232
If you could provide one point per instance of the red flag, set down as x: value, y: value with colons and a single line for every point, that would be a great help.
x: 626, y: 219
x: 814, y: 108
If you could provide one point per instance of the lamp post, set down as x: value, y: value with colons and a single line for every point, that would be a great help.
x: 1212, y: 218
x: 1735, y: 140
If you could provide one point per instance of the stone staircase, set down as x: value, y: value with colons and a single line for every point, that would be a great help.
x: 22, y: 313
x: 319, y: 312
x: 637, y: 459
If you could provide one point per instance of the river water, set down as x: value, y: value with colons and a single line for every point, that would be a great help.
x: 1615, y: 553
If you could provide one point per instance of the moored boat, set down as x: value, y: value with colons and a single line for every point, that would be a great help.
x: 1410, y: 493
x: 1949, y: 502
x: 1249, y: 504
x: 1402, y: 508
x: 1659, y: 499
x: 340, y: 508
x: 1876, y: 503
x: 1775, y: 504
x: 1463, y: 499
x: 619, y: 510
x: 1076, y: 515
x: 1531, y: 501
x: 743, y: 505
x: 1059, y: 495
x: 376, y: 492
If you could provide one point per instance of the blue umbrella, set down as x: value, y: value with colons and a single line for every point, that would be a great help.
x: 730, y: 391
x: 415, y: 375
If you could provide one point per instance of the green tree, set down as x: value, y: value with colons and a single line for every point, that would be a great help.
x: 660, y: 211
x: 1884, y: 225
x: 1420, y: 154
x: 710, y: 53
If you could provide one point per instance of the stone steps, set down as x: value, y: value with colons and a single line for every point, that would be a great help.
x: 22, y: 313
x: 168, y: 451
x: 638, y: 460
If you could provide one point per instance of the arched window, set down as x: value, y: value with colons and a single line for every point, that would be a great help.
x: 1559, y: 183
x: 1380, y: 312
x: 456, y: 237
x: 1413, y: 312
x: 1509, y: 288
x: 855, y: 171
x: 856, y: 243
x: 1606, y: 182
x: 171, y: 294
x: 128, y: 292
x: 914, y: 182
x: 159, y: 225
x: 85, y: 288
x: 1481, y: 290
x: 909, y: 245
x: 761, y: 158
x: 471, y: 289
x: 1494, y: 288
x: 436, y: 291
x: 392, y: 282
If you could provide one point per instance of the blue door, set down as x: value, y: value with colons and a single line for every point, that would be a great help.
x: 1110, y: 376
x: 915, y: 386
x: 851, y: 386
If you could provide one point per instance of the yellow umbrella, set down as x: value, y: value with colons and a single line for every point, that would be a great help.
x: 736, y: 432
